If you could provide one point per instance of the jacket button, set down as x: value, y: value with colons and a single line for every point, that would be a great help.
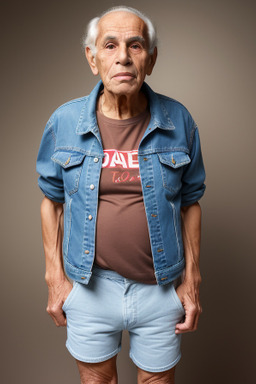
x: 95, y: 159
x: 86, y: 252
x: 92, y: 187
x: 145, y: 158
x: 173, y: 161
x: 90, y: 217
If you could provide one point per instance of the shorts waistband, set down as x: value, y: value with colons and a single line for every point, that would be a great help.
x: 112, y: 275
x: 108, y: 274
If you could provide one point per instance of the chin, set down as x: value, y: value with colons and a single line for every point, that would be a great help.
x: 125, y: 88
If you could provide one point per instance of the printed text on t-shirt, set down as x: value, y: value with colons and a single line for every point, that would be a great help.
x: 126, y: 161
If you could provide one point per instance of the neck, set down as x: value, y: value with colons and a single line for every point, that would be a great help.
x: 121, y: 107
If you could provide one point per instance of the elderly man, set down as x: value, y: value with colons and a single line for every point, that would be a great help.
x: 128, y: 166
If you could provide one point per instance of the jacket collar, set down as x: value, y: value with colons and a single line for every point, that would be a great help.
x: 159, y: 116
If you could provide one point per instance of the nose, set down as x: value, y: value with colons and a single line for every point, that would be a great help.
x: 123, y: 56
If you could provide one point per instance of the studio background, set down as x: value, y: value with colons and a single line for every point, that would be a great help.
x: 207, y: 61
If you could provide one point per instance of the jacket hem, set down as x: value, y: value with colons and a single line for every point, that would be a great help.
x: 168, y: 274
x: 77, y: 274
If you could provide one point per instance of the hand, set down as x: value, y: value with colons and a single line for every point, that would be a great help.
x: 57, y: 294
x: 189, y: 296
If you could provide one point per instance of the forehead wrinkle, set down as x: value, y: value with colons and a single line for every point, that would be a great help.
x: 114, y: 24
x: 120, y: 21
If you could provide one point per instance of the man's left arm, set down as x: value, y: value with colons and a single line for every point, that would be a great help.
x: 188, y: 291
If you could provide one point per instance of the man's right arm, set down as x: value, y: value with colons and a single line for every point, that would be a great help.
x: 59, y: 286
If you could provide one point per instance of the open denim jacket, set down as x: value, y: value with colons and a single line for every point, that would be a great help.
x: 171, y: 170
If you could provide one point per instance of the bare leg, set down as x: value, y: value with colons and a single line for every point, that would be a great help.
x: 166, y: 377
x: 98, y: 373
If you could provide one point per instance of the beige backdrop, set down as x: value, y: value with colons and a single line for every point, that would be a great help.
x: 207, y: 61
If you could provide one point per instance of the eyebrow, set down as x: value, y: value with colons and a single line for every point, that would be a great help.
x: 137, y: 38
x: 130, y: 40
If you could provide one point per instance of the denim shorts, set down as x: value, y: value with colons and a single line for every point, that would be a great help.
x: 97, y: 314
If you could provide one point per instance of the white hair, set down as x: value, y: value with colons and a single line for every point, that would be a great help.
x: 90, y: 37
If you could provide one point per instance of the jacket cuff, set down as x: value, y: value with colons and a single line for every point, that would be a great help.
x: 192, y: 197
x: 52, y: 192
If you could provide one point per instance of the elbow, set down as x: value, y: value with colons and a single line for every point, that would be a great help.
x: 194, y: 206
x: 48, y: 205
x: 191, y: 212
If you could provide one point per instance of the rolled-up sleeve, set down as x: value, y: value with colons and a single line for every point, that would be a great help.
x: 193, y: 180
x: 50, y: 173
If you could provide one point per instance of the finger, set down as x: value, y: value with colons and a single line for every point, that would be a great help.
x: 188, y: 324
x: 61, y: 321
x: 197, y: 319
x: 196, y: 323
x: 58, y: 317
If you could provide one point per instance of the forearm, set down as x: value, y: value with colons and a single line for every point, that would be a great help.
x: 51, y: 218
x: 58, y: 285
x: 188, y: 290
x: 191, y: 232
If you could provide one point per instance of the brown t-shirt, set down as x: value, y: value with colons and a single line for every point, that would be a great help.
x: 122, y: 238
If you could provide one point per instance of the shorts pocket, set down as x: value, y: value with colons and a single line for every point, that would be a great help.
x: 177, y: 299
x: 70, y: 296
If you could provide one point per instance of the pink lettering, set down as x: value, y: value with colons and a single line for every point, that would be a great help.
x: 122, y: 177
x: 125, y: 176
x: 105, y: 159
x: 120, y: 159
x: 133, y: 159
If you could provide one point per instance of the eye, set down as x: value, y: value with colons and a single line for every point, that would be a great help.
x: 110, y: 46
x: 135, y: 46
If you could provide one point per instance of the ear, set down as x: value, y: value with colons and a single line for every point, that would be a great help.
x: 152, y: 61
x: 91, y: 60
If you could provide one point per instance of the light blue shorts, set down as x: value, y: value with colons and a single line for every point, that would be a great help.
x: 97, y: 314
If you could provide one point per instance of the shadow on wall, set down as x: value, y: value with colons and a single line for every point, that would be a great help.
x: 218, y: 351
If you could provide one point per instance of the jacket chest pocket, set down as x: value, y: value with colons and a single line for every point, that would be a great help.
x: 172, y: 167
x: 72, y: 164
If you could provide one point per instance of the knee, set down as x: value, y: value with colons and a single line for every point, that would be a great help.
x: 98, y: 373
x: 166, y: 377
x: 97, y: 379
x: 85, y: 381
x: 157, y: 381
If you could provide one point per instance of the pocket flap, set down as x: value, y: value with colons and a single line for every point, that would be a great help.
x: 68, y: 159
x: 174, y: 159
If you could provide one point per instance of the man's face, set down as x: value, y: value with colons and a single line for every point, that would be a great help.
x: 122, y: 57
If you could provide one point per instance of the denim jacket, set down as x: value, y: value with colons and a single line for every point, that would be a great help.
x: 171, y: 171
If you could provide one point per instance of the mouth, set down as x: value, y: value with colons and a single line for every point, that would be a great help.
x: 124, y: 76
